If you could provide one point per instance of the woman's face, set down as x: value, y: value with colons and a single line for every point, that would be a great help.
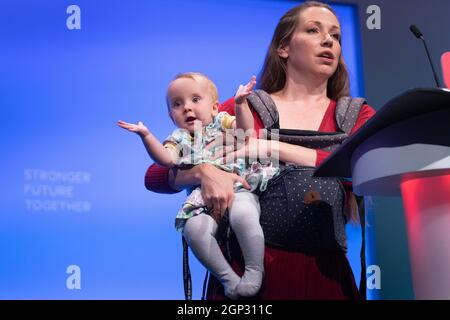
x: 314, y: 48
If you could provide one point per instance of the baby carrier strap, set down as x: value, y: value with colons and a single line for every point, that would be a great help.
x: 265, y: 107
x: 187, y: 281
x: 346, y: 114
x: 347, y: 110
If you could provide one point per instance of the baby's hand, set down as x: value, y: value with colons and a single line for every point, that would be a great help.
x: 139, y: 128
x: 244, y: 91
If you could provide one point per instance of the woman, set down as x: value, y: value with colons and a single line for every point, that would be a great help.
x: 304, y: 75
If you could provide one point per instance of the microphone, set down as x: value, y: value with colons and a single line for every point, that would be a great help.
x: 419, y: 35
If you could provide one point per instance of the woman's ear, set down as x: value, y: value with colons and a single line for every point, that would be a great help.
x: 283, y: 51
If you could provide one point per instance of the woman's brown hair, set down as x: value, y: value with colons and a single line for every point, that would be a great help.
x: 272, y: 77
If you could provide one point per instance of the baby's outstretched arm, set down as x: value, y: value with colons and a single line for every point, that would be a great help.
x: 166, y: 157
x: 244, y: 117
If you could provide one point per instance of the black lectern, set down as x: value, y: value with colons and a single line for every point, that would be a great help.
x: 404, y: 150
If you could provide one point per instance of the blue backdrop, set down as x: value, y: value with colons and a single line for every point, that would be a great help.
x: 76, y: 221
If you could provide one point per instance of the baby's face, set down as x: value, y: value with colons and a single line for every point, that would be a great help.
x: 191, y: 102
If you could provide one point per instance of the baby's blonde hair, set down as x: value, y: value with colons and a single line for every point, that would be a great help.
x: 197, y: 76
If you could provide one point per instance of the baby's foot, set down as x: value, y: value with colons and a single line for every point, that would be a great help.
x: 250, y: 283
x: 231, y: 293
x: 230, y: 283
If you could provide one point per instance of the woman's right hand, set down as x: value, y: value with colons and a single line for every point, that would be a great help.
x: 217, y: 189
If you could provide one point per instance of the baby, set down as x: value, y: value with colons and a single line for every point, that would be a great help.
x: 192, y: 100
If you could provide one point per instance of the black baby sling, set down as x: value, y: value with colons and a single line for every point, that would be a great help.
x: 314, y: 211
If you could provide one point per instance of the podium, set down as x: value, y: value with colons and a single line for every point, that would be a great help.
x: 404, y: 150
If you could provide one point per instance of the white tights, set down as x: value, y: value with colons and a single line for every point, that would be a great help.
x: 199, y: 232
